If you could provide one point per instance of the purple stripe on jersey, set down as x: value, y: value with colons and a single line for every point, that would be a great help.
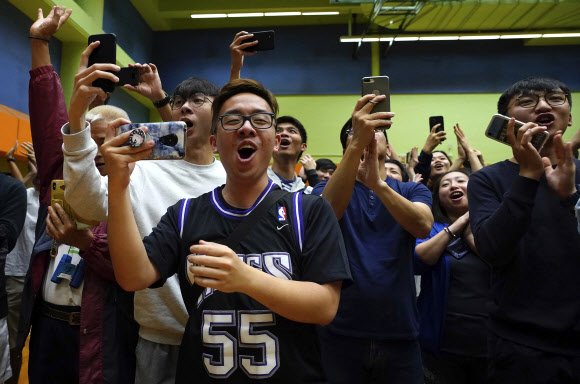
x: 182, y: 214
x: 298, y: 222
x: 234, y: 214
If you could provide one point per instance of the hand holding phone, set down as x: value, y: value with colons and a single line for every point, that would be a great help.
x: 434, y: 120
x: 57, y: 197
x: 265, y: 41
x: 497, y: 130
x: 106, y: 52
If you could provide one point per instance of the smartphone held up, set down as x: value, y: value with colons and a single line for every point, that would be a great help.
x: 497, y: 130
x: 169, y: 138
x: 378, y: 85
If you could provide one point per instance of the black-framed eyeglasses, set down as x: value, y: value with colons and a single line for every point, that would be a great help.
x: 350, y: 131
x: 259, y: 120
x: 553, y: 99
x: 196, y: 100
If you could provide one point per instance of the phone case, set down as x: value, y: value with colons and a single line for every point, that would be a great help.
x: 265, y: 41
x: 378, y: 85
x: 106, y: 52
x: 497, y: 130
x: 128, y: 75
x: 434, y: 120
x: 57, y: 196
x: 169, y: 138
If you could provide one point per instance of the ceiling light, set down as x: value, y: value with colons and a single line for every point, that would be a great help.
x: 406, y: 38
x: 370, y: 39
x: 319, y: 13
x: 438, y: 38
x: 531, y: 36
x: 561, y: 35
x: 209, y: 16
x: 282, y: 14
x: 349, y: 39
x: 386, y: 39
x: 245, y: 14
x: 479, y: 37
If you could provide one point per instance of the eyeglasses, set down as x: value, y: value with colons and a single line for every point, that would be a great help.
x: 350, y: 131
x: 196, y: 100
x: 553, y: 99
x: 260, y: 120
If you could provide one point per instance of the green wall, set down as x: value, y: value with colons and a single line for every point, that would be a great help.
x: 324, y: 116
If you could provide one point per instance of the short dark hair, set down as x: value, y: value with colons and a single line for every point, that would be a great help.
x: 344, y: 135
x: 294, y: 121
x: 325, y: 164
x: 529, y: 85
x: 193, y: 85
x: 236, y: 87
x: 404, y: 173
x: 439, y: 213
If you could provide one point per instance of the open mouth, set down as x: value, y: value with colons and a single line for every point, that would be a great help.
x: 438, y: 166
x: 245, y: 152
x: 284, y: 143
x: 187, y: 122
x: 545, y: 119
x: 456, y: 195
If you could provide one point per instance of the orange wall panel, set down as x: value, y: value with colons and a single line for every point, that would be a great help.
x: 8, y: 132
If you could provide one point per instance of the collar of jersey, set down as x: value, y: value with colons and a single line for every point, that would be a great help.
x: 236, y: 214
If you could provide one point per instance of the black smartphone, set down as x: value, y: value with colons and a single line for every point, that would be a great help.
x: 434, y: 120
x: 378, y: 85
x: 106, y: 52
x: 128, y: 75
x: 265, y: 41
x: 497, y: 130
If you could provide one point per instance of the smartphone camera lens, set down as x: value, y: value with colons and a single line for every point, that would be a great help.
x: 169, y: 140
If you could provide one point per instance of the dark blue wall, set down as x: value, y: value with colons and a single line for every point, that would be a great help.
x: 15, y: 57
x: 311, y: 60
x: 133, y: 33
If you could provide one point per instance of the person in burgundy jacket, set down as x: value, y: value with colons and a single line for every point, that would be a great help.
x: 82, y: 321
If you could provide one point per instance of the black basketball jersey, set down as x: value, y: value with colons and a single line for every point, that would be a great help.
x: 230, y: 337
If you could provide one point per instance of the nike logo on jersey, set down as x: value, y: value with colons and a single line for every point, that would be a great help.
x: 279, y: 228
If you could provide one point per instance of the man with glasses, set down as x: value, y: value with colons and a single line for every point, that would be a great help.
x: 254, y: 319
x: 373, y: 338
x: 154, y: 185
x: 522, y: 216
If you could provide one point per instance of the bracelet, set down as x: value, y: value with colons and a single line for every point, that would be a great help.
x: 38, y: 38
x: 452, y: 235
x: 11, y: 159
x: 163, y: 102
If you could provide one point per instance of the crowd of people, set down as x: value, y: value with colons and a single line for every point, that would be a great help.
x: 201, y: 270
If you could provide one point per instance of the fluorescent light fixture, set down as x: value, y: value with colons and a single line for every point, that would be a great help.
x: 245, y: 14
x: 561, y: 35
x: 349, y: 39
x: 409, y: 38
x: 530, y: 36
x: 438, y: 38
x: 370, y: 39
x: 319, y: 13
x: 282, y: 14
x: 386, y: 39
x: 479, y: 37
x: 209, y: 16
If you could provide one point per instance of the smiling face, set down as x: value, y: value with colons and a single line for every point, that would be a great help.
x: 554, y: 118
x: 394, y: 171
x: 245, y: 153
x: 453, y: 193
x: 439, y: 164
x: 291, y: 144
x: 197, y: 119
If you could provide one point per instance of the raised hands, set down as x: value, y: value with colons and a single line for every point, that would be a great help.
x: 364, y: 122
x: 308, y: 162
x: 434, y: 139
x: 562, y: 179
x: 10, y: 153
x: 237, y: 52
x: 530, y: 161
x: 45, y: 27
x: 84, y: 92
x: 149, y: 82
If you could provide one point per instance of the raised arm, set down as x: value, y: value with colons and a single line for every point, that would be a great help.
x: 12, y: 163
x: 429, y: 251
x: 338, y: 190
x: 470, y: 154
x: 237, y: 52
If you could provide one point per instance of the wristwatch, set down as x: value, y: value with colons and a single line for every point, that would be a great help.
x: 163, y: 102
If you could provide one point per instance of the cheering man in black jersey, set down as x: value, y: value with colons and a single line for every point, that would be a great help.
x: 254, y: 319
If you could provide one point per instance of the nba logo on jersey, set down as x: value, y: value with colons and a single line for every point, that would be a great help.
x: 281, y: 213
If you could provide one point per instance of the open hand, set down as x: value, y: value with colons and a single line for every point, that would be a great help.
x: 45, y: 27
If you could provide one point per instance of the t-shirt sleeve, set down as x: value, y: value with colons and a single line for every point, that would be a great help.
x: 163, y: 244
x: 323, y: 254
x: 318, y: 188
x: 418, y: 193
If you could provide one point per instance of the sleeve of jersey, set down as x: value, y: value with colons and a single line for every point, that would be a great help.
x: 163, y: 245
x: 324, y: 256
x: 318, y: 188
x: 420, y: 194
